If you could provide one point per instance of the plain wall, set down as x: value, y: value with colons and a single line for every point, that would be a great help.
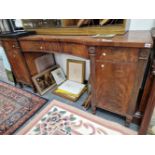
x: 141, y: 24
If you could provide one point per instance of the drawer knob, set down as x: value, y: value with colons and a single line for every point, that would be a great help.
x: 15, y: 46
x: 102, y: 66
x: 104, y: 54
x: 41, y: 47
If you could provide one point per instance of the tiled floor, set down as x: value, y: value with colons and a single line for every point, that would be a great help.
x: 101, y: 113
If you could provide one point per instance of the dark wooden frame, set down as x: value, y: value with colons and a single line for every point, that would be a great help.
x: 41, y: 74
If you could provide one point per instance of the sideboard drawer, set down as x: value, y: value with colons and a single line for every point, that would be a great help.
x: 10, y: 44
x: 17, y: 62
x: 53, y: 46
x: 117, y: 54
x: 32, y: 46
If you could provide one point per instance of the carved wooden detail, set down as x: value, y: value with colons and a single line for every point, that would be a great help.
x: 93, y: 77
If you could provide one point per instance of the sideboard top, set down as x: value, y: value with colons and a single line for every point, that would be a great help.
x: 139, y: 39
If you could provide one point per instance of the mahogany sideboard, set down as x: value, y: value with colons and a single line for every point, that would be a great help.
x: 118, y: 64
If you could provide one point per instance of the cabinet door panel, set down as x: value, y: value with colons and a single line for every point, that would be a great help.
x: 114, y: 85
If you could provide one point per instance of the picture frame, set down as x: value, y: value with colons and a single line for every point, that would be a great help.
x: 76, y: 70
x: 58, y: 75
x: 44, y: 62
x: 44, y: 81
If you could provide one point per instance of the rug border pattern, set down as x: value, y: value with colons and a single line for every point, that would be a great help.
x: 96, y: 119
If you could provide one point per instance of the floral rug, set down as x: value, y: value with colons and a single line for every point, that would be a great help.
x: 16, y: 106
x: 61, y: 119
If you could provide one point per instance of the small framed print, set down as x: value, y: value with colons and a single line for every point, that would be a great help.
x: 76, y: 70
x: 44, y: 81
x: 58, y: 75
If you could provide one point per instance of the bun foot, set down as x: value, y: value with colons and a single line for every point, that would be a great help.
x: 128, y: 121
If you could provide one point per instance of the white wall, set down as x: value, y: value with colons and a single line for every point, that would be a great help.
x: 141, y: 24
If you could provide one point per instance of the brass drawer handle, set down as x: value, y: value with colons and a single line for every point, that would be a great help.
x: 41, y: 47
x: 15, y: 46
x: 102, y: 66
x: 141, y: 58
x: 104, y: 54
x: 153, y: 68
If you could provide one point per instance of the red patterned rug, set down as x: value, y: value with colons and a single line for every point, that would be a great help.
x: 61, y: 119
x: 16, y: 107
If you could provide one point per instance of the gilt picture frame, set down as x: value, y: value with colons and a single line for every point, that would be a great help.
x: 76, y: 70
x: 44, y: 81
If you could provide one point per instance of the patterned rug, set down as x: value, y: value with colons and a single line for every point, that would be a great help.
x: 16, y: 106
x: 61, y: 119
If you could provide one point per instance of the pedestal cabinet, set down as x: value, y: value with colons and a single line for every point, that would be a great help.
x: 117, y: 74
x: 17, y: 61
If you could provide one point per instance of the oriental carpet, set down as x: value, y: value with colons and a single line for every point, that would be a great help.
x: 16, y: 107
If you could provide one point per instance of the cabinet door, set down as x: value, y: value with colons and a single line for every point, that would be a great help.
x: 18, y: 65
x: 114, y: 85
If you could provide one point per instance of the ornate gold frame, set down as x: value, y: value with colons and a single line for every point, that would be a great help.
x: 77, y: 62
x: 109, y: 29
